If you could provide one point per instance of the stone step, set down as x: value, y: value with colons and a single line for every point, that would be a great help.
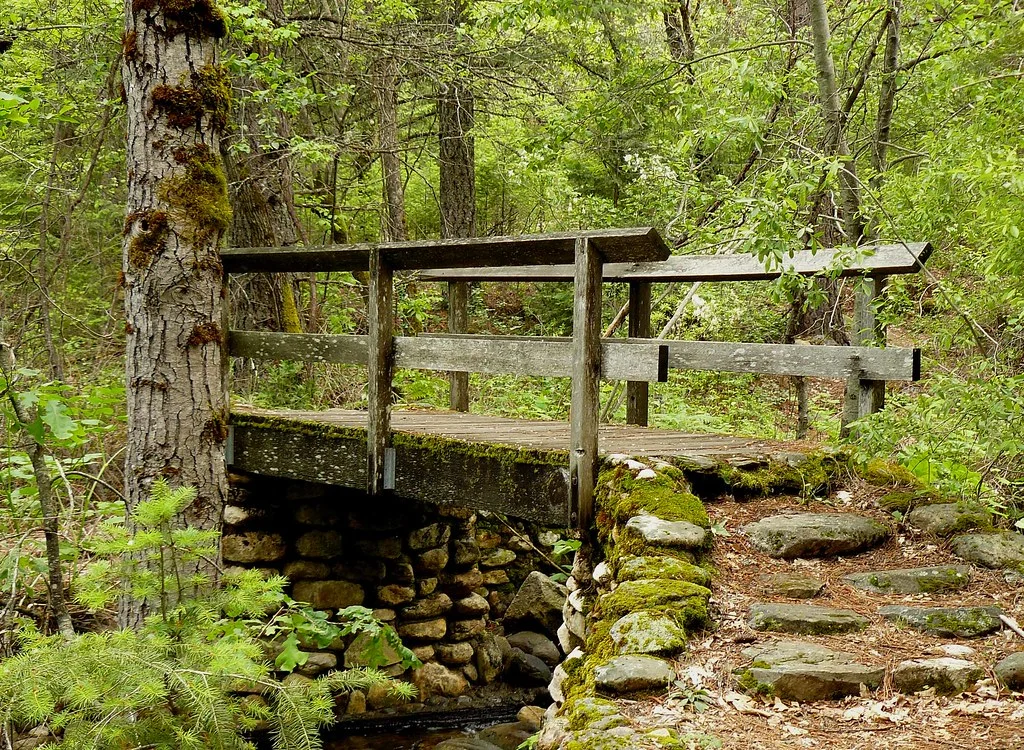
x: 944, y: 519
x: 800, y: 671
x: 805, y: 619
x: 945, y: 675
x: 1000, y: 549
x: 815, y: 534
x: 792, y: 585
x: 927, y: 580
x: 946, y: 622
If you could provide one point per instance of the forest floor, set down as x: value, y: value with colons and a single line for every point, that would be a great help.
x: 986, y: 717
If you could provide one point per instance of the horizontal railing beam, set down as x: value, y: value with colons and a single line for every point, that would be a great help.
x: 883, y: 260
x: 624, y: 359
x: 631, y: 245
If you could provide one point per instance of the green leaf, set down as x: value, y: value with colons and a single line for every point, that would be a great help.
x: 290, y: 656
x: 55, y: 415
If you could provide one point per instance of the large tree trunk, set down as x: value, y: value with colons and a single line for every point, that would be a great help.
x: 457, y: 167
x: 178, y: 98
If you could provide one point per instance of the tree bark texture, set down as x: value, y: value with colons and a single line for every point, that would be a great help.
x: 385, y: 82
x: 178, y: 98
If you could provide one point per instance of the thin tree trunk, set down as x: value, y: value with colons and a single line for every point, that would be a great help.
x: 385, y: 81
x: 178, y: 99
x: 47, y: 502
x: 43, y: 274
x: 886, y: 98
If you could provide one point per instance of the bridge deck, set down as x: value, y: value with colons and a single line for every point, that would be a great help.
x: 513, y: 466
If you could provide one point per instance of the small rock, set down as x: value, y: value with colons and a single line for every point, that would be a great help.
x: 944, y: 519
x: 538, y: 602
x: 393, y: 594
x: 532, y: 716
x: 674, y: 534
x: 465, y: 552
x: 537, y: 645
x: 792, y: 585
x: 497, y: 577
x: 602, y: 573
x: 601, y: 713
x: 634, y: 465
x: 647, y: 474
x: 388, y: 548
x: 465, y: 743
x: 1010, y: 671
x: 317, y: 663
x: 455, y: 654
x: 356, y: 703
x: 401, y: 571
x: 252, y: 547
x: 646, y: 633
x: 946, y: 622
x: 498, y: 558
x: 435, y: 535
x: 568, y: 640
x: 805, y: 619
x: 432, y: 561
x: 946, y: 675
x: 473, y: 605
x: 507, y: 736
x: 427, y: 630
x: 328, y: 594
x: 322, y: 545
x: 305, y: 570
x: 426, y: 586
x: 815, y: 534
x: 553, y: 734
x: 423, y: 653
x: 526, y: 669
x: 632, y: 673
x: 317, y: 514
x: 1004, y: 549
x: 548, y: 538
x: 577, y: 601
x: 233, y: 515
x: 437, y: 679
x: 957, y: 650
x: 462, y: 584
x: 490, y: 657
x: 432, y: 606
x: 912, y: 580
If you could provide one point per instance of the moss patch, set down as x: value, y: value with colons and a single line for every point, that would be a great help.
x: 685, y: 602
x: 885, y: 474
x: 207, y: 93
x: 153, y: 229
x: 198, y: 17
x: 199, y: 194
x: 810, y: 477
x: 667, y: 496
x: 633, y: 568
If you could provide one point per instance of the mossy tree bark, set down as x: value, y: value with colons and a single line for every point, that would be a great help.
x: 177, y: 103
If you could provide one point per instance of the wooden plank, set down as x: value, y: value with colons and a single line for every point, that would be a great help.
x: 381, y: 356
x: 797, y: 359
x: 458, y: 322
x: 869, y: 331
x: 623, y: 359
x: 584, y: 410
x: 638, y: 392
x: 883, y: 260
x: 617, y: 245
x: 441, y: 471
x: 307, y: 347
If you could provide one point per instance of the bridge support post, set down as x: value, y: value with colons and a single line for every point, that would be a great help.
x: 638, y: 393
x: 586, y: 382
x: 458, y: 322
x: 381, y: 359
x: 864, y: 397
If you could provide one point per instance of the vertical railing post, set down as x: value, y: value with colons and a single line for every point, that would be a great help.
x: 379, y: 395
x: 638, y: 394
x: 458, y: 322
x: 868, y: 331
x: 586, y: 382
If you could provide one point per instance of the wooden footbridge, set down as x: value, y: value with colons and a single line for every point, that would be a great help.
x: 539, y: 470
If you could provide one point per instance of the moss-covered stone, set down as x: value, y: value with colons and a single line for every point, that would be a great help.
x: 809, y: 477
x: 594, y: 713
x: 886, y: 474
x: 686, y: 602
x: 621, y: 496
x: 634, y: 568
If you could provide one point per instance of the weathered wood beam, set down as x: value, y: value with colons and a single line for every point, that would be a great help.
x: 624, y: 359
x: 584, y: 410
x: 381, y: 359
x: 458, y: 322
x: 879, y: 260
x: 838, y: 362
x: 617, y: 245
x: 528, y: 484
x: 638, y: 392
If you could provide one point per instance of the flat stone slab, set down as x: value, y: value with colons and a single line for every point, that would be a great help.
x: 633, y: 673
x: 815, y: 534
x: 647, y: 633
x: 928, y: 580
x: 945, y: 675
x: 800, y: 671
x: 944, y: 519
x: 1000, y: 549
x: 805, y: 619
x: 675, y: 534
x: 792, y: 585
x: 1010, y: 671
x: 946, y: 622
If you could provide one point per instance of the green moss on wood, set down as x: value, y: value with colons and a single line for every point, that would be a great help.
x: 197, y: 17
x: 198, y: 194
x: 207, y: 93
x: 151, y: 231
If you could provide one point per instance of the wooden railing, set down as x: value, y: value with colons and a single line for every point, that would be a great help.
x: 636, y: 256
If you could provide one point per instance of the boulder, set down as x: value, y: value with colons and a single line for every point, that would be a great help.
x: 928, y: 580
x: 943, y: 519
x: 657, y: 532
x: 815, y: 534
x: 1010, y: 671
x: 1002, y: 549
x: 800, y: 671
x: 805, y: 619
x: 945, y: 675
x: 507, y: 736
x: 632, y: 568
x: 647, y: 633
x: 792, y: 585
x: 526, y: 669
x: 946, y: 622
x: 536, y: 644
x: 633, y: 673
x: 538, y: 602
